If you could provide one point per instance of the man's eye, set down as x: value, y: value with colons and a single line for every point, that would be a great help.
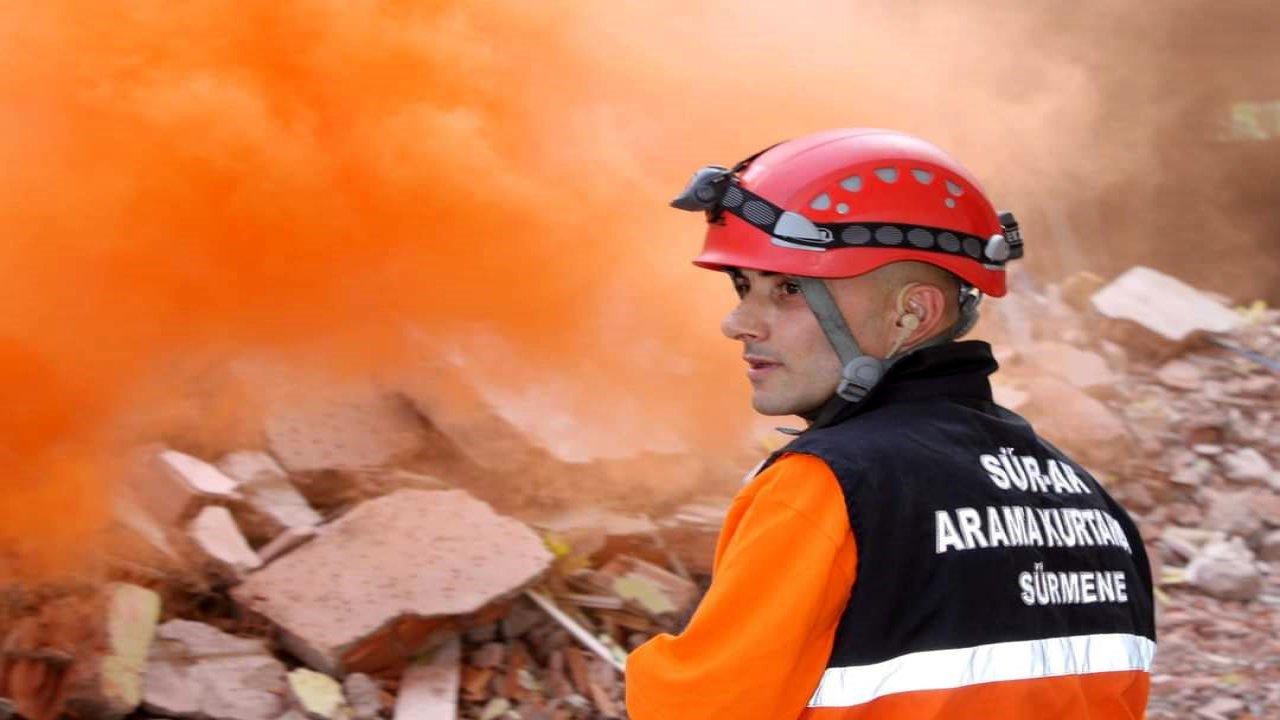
x: 791, y: 287
x: 741, y: 288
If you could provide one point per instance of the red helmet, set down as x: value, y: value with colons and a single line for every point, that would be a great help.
x: 844, y: 202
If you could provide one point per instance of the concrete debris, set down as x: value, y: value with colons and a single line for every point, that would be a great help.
x: 1222, y: 708
x: 215, y: 533
x: 357, y: 429
x: 458, y: 410
x: 576, y: 535
x: 1231, y: 512
x: 272, y: 505
x: 410, y: 554
x: 318, y: 695
x: 1081, y: 368
x: 496, y: 708
x: 604, y: 522
x: 132, y: 615
x: 519, y: 619
x: 1008, y: 396
x: 488, y: 655
x: 81, y: 656
x: 1226, y: 570
x: 429, y: 690
x: 1180, y: 374
x: 286, y: 541
x: 172, y: 485
x: 692, y: 530
x: 1161, y: 312
x: 197, y: 671
x: 655, y: 589
x: 364, y: 696
x: 1246, y: 465
x: 1269, y: 547
x: 139, y: 521
x: 1078, y: 422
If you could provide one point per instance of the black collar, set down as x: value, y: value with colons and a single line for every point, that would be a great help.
x: 956, y: 370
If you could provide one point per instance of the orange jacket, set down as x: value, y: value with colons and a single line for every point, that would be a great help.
x: 759, y: 642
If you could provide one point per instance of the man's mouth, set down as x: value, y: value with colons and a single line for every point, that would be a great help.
x: 758, y: 367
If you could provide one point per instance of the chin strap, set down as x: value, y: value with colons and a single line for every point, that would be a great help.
x: 861, y: 372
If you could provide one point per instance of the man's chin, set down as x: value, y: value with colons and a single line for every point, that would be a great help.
x: 781, y: 406
x: 777, y: 407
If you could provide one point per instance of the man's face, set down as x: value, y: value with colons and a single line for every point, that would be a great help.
x: 791, y: 364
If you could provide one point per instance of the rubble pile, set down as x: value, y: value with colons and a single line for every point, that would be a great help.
x: 326, y: 575
x: 1172, y: 399
x: 412, y: 556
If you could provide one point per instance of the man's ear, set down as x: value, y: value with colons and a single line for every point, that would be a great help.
x: 922, y: 313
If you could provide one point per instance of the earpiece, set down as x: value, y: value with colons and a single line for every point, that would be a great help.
x: 909, y: 322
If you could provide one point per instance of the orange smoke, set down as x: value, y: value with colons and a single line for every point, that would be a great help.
x: 185, y: 183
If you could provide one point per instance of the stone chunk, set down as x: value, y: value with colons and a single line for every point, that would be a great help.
x: 1232, y: 513
x: 318, y: 695
x: 359, y: 428
x: 1226, y: 570
x: 1081, y: 368
x: 115, y: 688
x: 1246, y: 465
x: 364, y: 696
x: 429, y: 690
x: 1221, y: 708
x: 173, y: 485
x: 215, y: 532
x: 655, y: 589
x: 412, y: 554
x: 286, y: 541
x: 198, y: 671
x: 692, y: 530
x: 1180, y: 375
x: 1269, y: 548
x: 272, y: 504
x: 458, y: 409
x: 1160, y: 311
x: 1068, y: 417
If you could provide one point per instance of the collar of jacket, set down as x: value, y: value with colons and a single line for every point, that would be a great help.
x: 956, y: 370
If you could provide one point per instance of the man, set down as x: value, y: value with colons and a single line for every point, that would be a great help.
x: 917, y: 551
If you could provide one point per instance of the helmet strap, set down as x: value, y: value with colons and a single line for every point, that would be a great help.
x: 862, y: 372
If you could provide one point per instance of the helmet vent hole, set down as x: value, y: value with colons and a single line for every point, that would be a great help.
x: 842, y: 208
x: 822, y: 202
x: 887, y: 174
x: 973, y: 247
x: 758, y: 213
x: 856, y: 235
x: 853, y: 183
x: 948, y: 241
x: 733, y: 197
x: 954, y: 189
x: 924, y: 177
x: 920, y: 237
x: 950, y: 202
x: 889, y: 235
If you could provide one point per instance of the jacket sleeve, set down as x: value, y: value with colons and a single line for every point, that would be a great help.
x: 759, y: 641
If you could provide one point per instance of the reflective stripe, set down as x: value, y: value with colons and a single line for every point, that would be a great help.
x: 960, y: 667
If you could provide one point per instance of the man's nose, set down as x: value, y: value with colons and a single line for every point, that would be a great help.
x: 743, y: 324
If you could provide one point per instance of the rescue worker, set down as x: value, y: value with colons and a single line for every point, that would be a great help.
x: 917, y: 551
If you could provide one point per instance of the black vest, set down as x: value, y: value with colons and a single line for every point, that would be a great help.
x: 970, y: 529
